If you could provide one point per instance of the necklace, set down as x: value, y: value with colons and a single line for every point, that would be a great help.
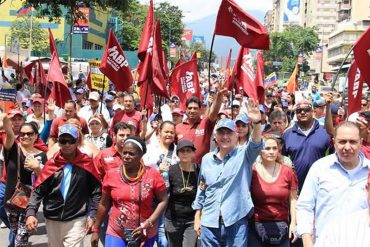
x: 138, y: 176
x: 265, y: 172
x: 185, y: 185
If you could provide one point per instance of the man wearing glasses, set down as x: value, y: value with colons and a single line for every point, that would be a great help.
x: 305, y: 141
x: 69, y: 187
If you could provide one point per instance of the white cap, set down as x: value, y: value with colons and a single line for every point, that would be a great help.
x: 236, y: 102
x: 117, y: 107
x: 94, y: 96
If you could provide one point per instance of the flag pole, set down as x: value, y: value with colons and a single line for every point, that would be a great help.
x: 30, y: 44
x: 102, y: 92
x: 340, y: 68
x: 209, y: 62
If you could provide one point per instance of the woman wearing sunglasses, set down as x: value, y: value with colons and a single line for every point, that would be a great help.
x: 130, y: 191
x: 183, y: 178
x: 274, y: 194
x: 26, y: 160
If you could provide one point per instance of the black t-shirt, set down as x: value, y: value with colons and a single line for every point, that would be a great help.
x: 179, y: 205
x: 11, y: 157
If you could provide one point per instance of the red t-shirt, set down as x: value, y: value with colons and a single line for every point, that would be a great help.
x: 200, y: 134
x: 122, y: 116
x: 365, y: 149
x: 60, y: 121
x: 125, y: 209
x: 271, y: 200
x: 107, y: 159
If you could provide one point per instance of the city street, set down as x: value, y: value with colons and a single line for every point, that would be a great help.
x: 39, y: 239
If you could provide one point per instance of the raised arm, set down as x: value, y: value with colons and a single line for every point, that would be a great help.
x: 215, y: 107
x: 7, y: 126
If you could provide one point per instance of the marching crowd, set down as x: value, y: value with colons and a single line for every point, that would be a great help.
x: 218, y: 171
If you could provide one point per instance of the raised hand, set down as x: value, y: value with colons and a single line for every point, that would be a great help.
x: 253, y: 112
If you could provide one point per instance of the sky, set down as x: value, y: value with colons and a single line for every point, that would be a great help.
x: 197, y: 9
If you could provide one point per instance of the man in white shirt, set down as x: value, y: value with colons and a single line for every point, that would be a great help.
x: 95, y: 108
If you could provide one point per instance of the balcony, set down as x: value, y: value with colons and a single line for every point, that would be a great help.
x: 344, y: 6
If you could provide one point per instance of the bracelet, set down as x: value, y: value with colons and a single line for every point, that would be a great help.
x: 95, y: 230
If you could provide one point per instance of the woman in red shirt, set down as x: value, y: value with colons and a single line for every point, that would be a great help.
x: 130, y: 191
x: 274, y: 194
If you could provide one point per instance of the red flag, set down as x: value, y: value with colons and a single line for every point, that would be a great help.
x: 42, y: 83
x: 60, y: 92
x: 259, y: 78
x: 146, y: 98
x: 361, y: 51
x: 88, y: 81
x: 28, y: 71
x: 355, y: 85
x: 146, y: 41
x: 114, y: 64
x: 42, y: 74
x: 165, y: 66
x: 184, y: 81
x: 292, y: 84
x: 233, y: 21
x: 53, y: 47
x: 243, y: 73
x: 227, y: 83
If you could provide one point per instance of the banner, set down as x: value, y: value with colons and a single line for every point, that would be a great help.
x: 97, y: 77
x: 292, y: 11
x: 355, y: 85
x: 8, y: 94
x: 82, y: 24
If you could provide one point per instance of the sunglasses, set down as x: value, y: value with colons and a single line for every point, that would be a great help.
x: 303, y: 110
x: 23, y: 134
x: 235, y: 106
x: 269, y: 96
x: 175, y: 101
x: 65, y: 141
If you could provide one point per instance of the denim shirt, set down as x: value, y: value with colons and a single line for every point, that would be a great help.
x: 227, y: 185
x: 329, y: 192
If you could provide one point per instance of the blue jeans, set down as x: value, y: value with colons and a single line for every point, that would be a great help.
x: 111, y: 241
x: 234, y: 235
x: 162, y: 239
x: 254, y: 240
x: 3, y: 215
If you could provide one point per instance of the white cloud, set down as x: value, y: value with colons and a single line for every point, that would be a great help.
x: 197, y: 9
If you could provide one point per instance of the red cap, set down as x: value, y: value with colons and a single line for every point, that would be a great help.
x: 25, y: 100
x: 38, y: 100
x: 224, y: 112
x: 177, y: 111
x: 14, y: 112
x: 238, y: 96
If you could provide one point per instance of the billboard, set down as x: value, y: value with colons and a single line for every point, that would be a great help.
x: 199, y: 39
x: 292, y: 11
x: 187, y: 35
x: 82, y: 24
x: 98, y: 80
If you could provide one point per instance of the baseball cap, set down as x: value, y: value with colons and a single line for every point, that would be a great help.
x: 238, y: 96
x: 80, y: 91
x: 262, y: 108
x: 109, y: 97
x: 226, y: 123
x: 69, y: 129
x: 94, y: 119
x: 15, y: 112
x: 319, y: 103
x: 117, y: 107
x: 94, y: 96
x: 38, y: 100
x: 175, y: 97
x: 24, y: 101
x: 223, y: 112
x: 177, y: 111
x: 236, y: 102
x: 243, y: 118
x: 303, y: 103
x: 184, y: 143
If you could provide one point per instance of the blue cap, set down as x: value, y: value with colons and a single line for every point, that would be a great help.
x: 226, y: 123
x: 109, y: 97
x: 243, y: 118
x: 69, y: 129
x: 319, y: 103
x: 80, y: 91
x: 262, y: 108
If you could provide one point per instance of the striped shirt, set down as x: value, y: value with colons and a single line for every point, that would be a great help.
x: 352, y: 230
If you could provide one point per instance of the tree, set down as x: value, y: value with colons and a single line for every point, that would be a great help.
x: 204, y: 55
x: 287, y: 45
x: 20, y: 29
x: 172, y: 26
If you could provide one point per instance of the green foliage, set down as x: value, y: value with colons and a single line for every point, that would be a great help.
x: 172, y: 26
x: 204, y: 55
x: 20, y: 28
x: 287, y: 45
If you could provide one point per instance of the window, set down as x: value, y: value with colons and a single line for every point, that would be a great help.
x: 98, y: 47
x: 87, y: 45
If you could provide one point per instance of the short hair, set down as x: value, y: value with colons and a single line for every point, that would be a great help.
x: 120, y: 126
x: 193, y: 99
x: 277, y: 114
x: 71, y: 102
x: 129, y: 95
x: 348, y: 124
x: 139, y: 140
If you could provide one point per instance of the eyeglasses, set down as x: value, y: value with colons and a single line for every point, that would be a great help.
x: 303, y: 110
x: 175, y: 101
x: 269, y: 96
x: 65, y: 141
x: 235, y: 106
x: 23, y: 134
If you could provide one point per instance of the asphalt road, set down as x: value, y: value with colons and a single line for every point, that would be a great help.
x: 39, y: 239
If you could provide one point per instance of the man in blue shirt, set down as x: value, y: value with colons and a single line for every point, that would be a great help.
x: 306, y: 141
x: 223, y: 200
x: 335, y: 185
